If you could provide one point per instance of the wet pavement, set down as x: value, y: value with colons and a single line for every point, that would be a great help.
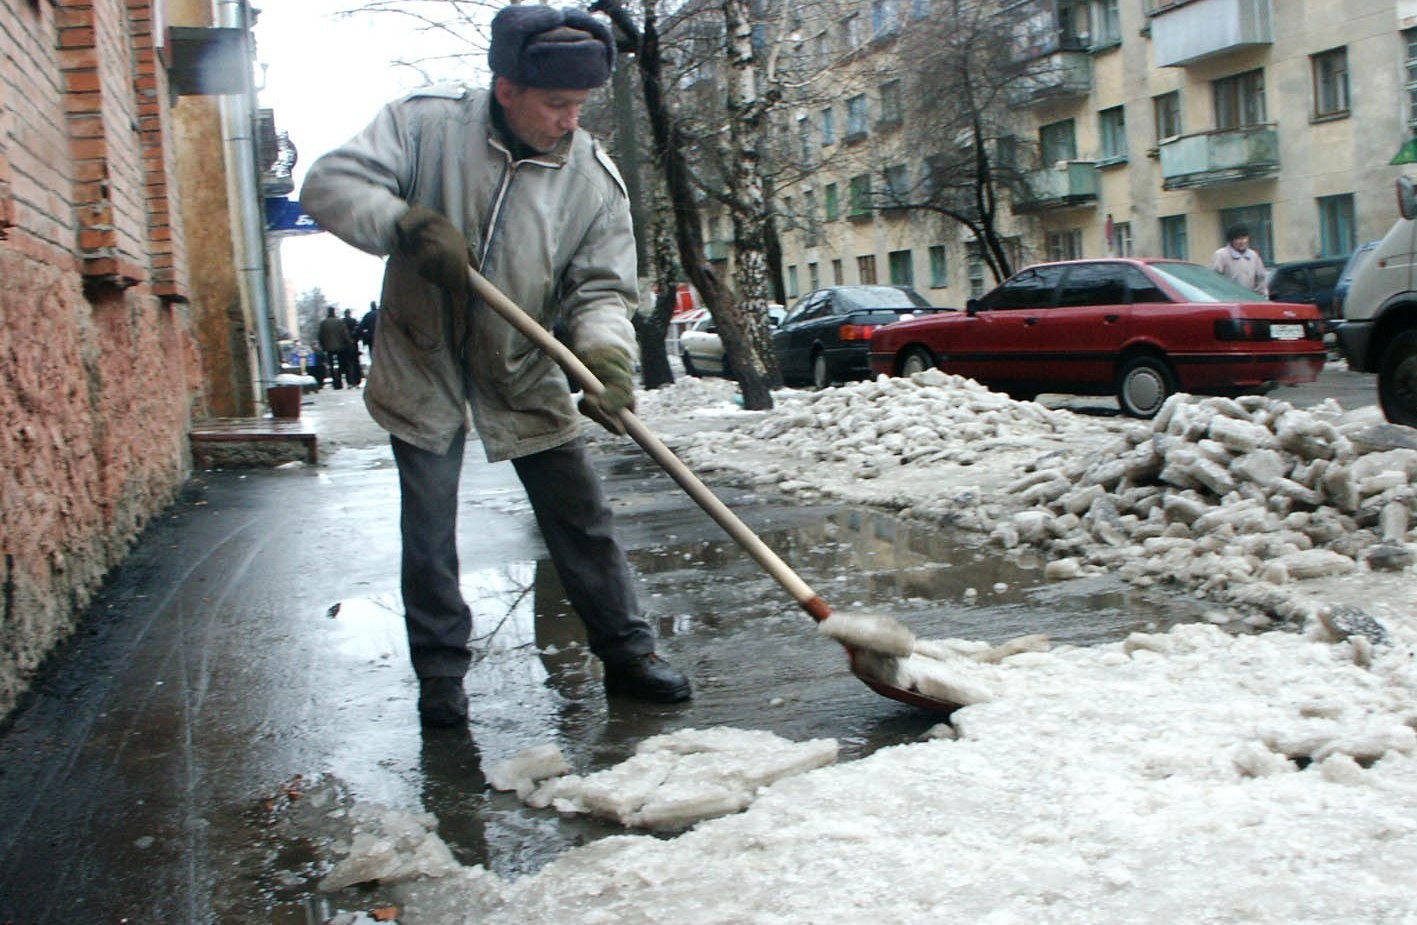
x: 252, y: 645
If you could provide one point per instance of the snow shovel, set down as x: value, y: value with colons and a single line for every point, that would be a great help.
x: 861, y: 654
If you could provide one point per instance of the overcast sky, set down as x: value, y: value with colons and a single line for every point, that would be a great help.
x: 325, y: 76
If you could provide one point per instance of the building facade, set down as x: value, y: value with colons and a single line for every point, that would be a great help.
x: 117, y: 252
x: 1140, y: 127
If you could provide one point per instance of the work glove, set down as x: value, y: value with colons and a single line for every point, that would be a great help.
x: 439, y: 251
x: 611, y: 365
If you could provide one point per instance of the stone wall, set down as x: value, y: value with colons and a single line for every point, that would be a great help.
x: 99, y: 375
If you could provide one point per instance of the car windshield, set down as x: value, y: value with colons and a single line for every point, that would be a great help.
x: 881, y: 297
x: 1196, y: 283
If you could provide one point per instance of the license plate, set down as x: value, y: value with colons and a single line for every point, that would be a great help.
x: 1286, y: 331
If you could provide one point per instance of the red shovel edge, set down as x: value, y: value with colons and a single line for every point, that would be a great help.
x: 877, y: 647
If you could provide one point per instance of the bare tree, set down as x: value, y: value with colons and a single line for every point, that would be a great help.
x: 670, y: 154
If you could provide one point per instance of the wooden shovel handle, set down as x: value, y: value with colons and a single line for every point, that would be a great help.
x: 791, y: 582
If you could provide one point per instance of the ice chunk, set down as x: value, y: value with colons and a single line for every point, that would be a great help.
x: 524, y: 769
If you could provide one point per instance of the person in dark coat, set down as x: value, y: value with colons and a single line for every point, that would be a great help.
x: 365, y: 332
x: 336, y: 343
x: 353, y: 371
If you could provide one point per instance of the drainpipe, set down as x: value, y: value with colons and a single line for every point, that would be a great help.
x: 238, y: 123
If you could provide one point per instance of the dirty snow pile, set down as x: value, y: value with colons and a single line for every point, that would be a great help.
x: 1192, y: 776
x: 1249, y: 501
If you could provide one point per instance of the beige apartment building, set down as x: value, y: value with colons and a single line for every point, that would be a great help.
x: 1152, y: 126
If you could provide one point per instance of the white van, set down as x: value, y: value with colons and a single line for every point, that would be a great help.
x: 1378, y: 333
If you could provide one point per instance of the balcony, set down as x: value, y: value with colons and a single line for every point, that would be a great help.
x: 1223, y: 156
x: 1192, y: 30
x: 1059, y: 76
x: 1066, y: 186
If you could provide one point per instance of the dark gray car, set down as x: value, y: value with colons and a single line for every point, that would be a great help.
x: 826, y: 335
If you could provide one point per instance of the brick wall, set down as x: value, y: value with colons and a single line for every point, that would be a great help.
x: 97, y: 368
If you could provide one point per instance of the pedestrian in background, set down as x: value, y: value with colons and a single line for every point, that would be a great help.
x: 421, y: 184
x: 1241, y: 262
x: 365, y: 331
x: 354, y: 370
x: 335, y: 342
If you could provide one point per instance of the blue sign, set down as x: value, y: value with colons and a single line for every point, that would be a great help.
x: 284, y: 217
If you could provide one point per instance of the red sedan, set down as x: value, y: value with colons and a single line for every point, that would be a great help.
x: 1137, y: 328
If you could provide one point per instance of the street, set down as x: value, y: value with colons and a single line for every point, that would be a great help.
x: 252, y: 645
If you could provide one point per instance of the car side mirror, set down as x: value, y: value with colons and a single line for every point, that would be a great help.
x: 971, y: 308
x: 1406, y: 198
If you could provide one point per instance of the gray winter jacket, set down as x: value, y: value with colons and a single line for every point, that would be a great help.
x: 553, y: 232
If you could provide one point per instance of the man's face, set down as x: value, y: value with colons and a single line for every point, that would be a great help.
x: 1240, y: 243
x: 540, y: 117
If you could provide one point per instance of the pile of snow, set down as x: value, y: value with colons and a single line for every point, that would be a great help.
x: 1192, y: 776
x: 1250, y: 501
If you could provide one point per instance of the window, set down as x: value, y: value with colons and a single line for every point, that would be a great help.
x: 1072, y: 25
x: 851, y: 33
x: 1239, y: 100
x: 860, y: 196
x: 1112, y: 126
x: 1031, y: 288
x: 828, y: 126
x: 939, y: 267
x: 1058, y: 142
x: 1122, y: 239
x: 856, y: 117
x: 814, y: 276
x: 1173, y: 237
x: 1167, y: 110
x: 809, y: 209
x: 1261, y: 228
x: 919, y: 9
x: 974, y: 265
x: 804, y: 135
x: 891, y: 109
x: 1093, y: 284
x: 1336, y: 229
x: 1065, y: 245
x: 792, y: 290
x: 823, y: 50
x: 833, y: 203
x: 885, y: 17
x: 1410, y: 35
x: 1107, y: 21
x: 1330, y: 83
x: 897, y: 185
x: 838, y: 277
x: 902, y: 266
x: 866, y: 269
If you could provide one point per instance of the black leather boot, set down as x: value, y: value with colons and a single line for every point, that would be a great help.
x: 442, y: 702
x: 647, y: 677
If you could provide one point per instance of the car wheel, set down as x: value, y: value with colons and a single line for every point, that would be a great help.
x: 1397, y: 380
x: 916, y: 360
x: 1144, y: 385
x: 689, y: 368
x: 821, y: 374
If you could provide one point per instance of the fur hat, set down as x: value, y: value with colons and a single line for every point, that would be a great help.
x: 538, y: 46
